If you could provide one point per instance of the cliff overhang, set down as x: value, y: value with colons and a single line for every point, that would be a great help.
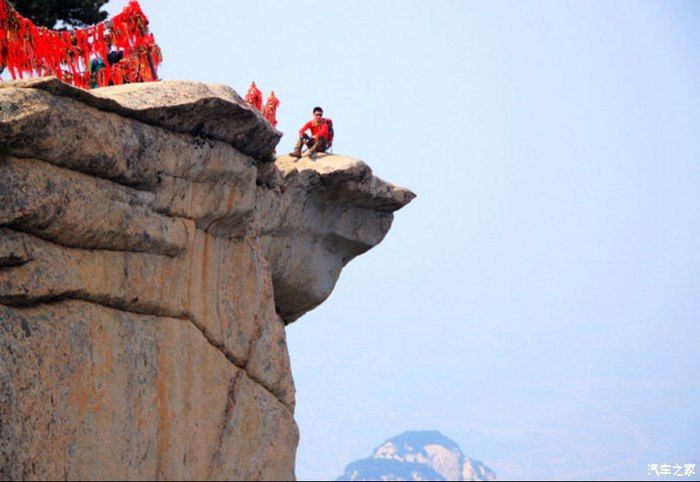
x: 150, y: 256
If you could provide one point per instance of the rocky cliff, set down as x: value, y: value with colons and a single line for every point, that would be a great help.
x: 151, y: 254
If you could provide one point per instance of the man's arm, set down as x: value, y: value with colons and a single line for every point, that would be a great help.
x: 305, y: 128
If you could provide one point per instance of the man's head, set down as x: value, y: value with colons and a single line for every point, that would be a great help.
x: 318, y: 112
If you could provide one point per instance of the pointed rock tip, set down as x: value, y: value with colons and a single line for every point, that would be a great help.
x: 351, y: 175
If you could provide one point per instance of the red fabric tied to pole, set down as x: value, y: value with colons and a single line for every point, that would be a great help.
x: 270, y: 111
x: 254, y: 96
x: 28, y: 50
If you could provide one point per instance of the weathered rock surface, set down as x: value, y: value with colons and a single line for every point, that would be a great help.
x: 332, y: 209
x: 211, y: 110
x: 150, y: 257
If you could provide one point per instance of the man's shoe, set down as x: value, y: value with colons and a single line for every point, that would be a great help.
x: 296, y: 154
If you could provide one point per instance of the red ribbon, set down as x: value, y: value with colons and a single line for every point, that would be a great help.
x: 28, y: 50
x: 254, y: 98
x: 270, y: 111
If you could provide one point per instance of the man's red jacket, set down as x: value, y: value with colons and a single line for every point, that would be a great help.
x: 318, y: 129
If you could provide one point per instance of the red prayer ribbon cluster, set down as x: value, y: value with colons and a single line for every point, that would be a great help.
x: 28, y: 50
x: 270, y: 111
x: 254, y: 98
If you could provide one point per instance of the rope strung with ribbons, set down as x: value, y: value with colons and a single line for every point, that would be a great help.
x: 82, y: 56
x: 254, y: 98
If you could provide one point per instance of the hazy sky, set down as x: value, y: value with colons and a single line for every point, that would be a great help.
x: 539, y: 301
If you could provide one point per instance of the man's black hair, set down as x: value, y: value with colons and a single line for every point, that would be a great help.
x: 318, y: 109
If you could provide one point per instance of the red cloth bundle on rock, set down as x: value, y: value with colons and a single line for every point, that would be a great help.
x: 82, y: 56
x: 254, y: 96
x: 270, y: 111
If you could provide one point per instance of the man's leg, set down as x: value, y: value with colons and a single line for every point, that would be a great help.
x: 297, y: 149
x: 318, y: 146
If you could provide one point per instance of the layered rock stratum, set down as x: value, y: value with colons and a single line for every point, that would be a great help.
x: 151, y: 254
x: 418, y: 455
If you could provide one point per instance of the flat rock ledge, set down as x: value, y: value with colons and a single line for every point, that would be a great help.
x: 211, y: 110
x: 150, y: 258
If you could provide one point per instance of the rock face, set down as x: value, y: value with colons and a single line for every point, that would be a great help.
x: 420, y: 455
x: 150, y: 258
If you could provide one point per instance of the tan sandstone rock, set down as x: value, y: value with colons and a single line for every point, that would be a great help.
x: 150, y: 257
x: 214, y: 111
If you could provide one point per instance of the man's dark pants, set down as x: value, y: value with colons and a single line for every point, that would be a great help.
x: 318, y: 146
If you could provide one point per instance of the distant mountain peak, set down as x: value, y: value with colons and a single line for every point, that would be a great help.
x: 420, y: 438
x: 418, y: 455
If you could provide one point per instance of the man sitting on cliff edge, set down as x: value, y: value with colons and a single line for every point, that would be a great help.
x: 321, y: 135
